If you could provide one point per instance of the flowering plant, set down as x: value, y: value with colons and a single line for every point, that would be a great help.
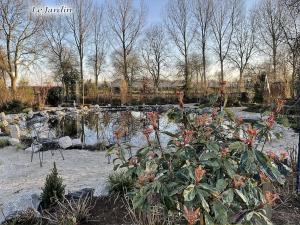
x: 204, y: 174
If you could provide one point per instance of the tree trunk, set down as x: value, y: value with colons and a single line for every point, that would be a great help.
x: 82, y: 81
x: 222, y: 70
x: 186, y: 75
x: 241, y: 82
x: 274, y: 61
x: 14, y: 85
x: 204, y: 67
x: 293, y: 78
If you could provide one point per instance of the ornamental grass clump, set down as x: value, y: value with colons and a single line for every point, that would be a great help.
x: 211, y: 172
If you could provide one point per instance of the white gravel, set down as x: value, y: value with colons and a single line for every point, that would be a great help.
x: 19, y: 178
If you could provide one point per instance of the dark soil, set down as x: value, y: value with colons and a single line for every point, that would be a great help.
x: 287, y: 210
x: 109, y: 211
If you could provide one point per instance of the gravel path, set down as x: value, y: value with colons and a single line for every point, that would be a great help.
x: 20, y: 179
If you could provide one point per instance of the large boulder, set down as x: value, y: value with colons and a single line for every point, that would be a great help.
x: 24, y: 202
x: 30, y: 114
x: 76, y: 142
x: 4, y: 123
x: 14, y: 141
x: 44, y: 114
x: 65, y: 142
x: 15, y: 131
x: 2, y: 116
x: 36, y: 148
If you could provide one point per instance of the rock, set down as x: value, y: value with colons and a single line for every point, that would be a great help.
x: 35, y: 149
x: 2, y: 116
x: 4, y: 123
x: 76, y: 141
x: 15, y: 131
x: 86, y: 192
x: 65, y: 142
x: 44, y: 114
x: 25, y: 202
x: 60, y: 113
x: 14, y: 141
x: 30, y: 114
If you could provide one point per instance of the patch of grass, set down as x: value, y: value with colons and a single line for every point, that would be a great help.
x: 27, y: 217
x: 256, y: 108
x: 120, y: 183
x: 4, y: 143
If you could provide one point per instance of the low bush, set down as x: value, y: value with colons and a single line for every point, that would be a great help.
x: 120, y: 182
x: 14, y: 106
x: 4, y: 143
x: 53, y: 190
x: 55, y: 96
x: 212, y: 171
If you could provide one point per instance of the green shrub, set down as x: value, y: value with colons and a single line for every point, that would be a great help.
x: 120, y: 182
x: 14, y: 106
x: 55, y: 96
x: 4, y: 143
x: 53, y: 189
x: 206, y: 172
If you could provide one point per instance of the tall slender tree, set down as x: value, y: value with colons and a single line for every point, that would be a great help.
x: 243, y: 44
x: 290, y: 23
x: 155, y: 53
x: 203, y: 10
x: 181, y: 28
x: 126, y: 23
x: 80, y: 24
x: 97, y: 58
x: 223, y: 24
x: 270, y: 31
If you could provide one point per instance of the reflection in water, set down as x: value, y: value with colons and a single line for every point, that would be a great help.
x: 98, y: 128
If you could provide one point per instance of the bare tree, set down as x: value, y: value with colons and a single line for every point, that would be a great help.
x: 133, y: 66
x: 223, y: 24
x: 126, y: 23
x: 18, y: 35
x: 197, y: 71
x: 290, y: 23
x: 203, y: 10
x: 58, y: 53
x: 80, y: 24
x: 270, y: 31
x: 243, y: 45
x: 181, y: 27
x: 155, y: 53
x: 99, y: 35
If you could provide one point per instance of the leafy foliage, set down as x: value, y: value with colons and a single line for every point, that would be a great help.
x: 14, y: 106
x: 53, y: 189
x: 212, y: 170
x: 55, y: 96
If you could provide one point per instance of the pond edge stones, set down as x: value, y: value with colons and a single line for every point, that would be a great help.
x: 65, y: 142
x: 15, y: 131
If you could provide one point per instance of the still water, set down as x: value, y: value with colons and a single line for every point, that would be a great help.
x: 98, y: 128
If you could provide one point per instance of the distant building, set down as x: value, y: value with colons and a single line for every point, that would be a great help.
x: 138, y: 84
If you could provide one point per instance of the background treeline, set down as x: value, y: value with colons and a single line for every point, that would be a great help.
x: 196, y: 41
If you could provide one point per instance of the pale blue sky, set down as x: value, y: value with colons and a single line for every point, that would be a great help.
x: 155, y: 7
